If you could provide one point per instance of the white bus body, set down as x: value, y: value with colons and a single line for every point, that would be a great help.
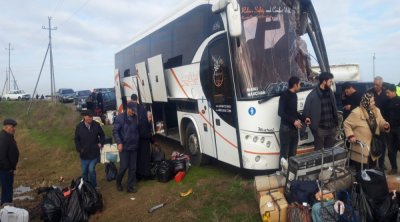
x: 215, y: 93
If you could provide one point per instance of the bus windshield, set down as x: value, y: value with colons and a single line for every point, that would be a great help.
x: 270, y: 50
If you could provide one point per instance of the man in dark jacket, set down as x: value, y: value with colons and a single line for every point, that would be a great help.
x: 392, y: 111
x: 89, y: 138
x: 320, y: 112
x: 381, y: 100
x: 351, y: 100
x: 290, y: 119
x: 9, y: 155
x: 126, y: 135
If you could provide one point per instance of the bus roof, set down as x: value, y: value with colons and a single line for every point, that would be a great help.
x: 179, y: 11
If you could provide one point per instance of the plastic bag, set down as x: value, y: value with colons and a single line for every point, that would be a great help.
x: 157, y: 155
x: 52, y: 202
x: 165, y: 172
x: 111, y: 171
x: 92, y: 200
x: 72, y: 210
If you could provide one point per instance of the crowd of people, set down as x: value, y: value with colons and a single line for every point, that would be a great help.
x: 132, y: 133
x: 376, y: 113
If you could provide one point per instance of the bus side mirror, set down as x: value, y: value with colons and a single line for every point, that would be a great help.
x: 232, y: 9
x: 234, y: 18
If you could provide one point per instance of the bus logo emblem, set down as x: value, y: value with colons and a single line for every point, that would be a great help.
x: 218, y: 71
x: 252, y: 111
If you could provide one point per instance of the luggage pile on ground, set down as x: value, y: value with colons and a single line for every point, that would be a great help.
x: 74, y: 203
x: 320, y: 187
x: 175, y: 168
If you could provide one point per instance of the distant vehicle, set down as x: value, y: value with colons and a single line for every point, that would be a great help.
x: 109, y: 102
x: 16, y: 95
x: 65, y: 95
x: 81, y: 95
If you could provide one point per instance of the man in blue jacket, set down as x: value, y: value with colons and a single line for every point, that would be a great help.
x: 320, y: 112
x: 9, y: 156
x: 89, y: 138
x: 126, y: 135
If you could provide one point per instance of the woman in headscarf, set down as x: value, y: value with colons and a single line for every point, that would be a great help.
x: 358, y: 126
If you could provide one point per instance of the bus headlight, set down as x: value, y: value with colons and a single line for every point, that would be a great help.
x: 257, y: 158
x: 262, y: 140
x: 268, y: 144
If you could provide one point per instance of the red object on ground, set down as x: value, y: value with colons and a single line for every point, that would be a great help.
x: 179, y: 176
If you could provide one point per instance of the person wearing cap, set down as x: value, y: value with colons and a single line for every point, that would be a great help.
x: 351, y: 99
x: 392, y: 110
x: 89, y: 138
x: 9, y: 155
x: 126, y: 135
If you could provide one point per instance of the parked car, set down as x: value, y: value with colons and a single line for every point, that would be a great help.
x: 65, y: 95
x: 16, y: 95
x: 81, y: 95
x: 109, y: 102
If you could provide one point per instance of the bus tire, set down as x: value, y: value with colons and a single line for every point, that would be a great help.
x: 192, y: 146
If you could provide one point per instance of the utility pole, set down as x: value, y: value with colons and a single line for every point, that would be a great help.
x: 9, y: 68
x: 52, y: 80
x: 373, y: 66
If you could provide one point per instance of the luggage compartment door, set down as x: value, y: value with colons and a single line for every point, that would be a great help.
x: 143, y: 83
x: 157, y: 80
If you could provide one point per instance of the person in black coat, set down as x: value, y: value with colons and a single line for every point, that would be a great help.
x: 9, y: 155
x: 392, y: 111
x: 89, y: 138
x: 144, y: 154
x: 351, y: 99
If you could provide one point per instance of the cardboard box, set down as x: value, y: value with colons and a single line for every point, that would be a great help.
x: 259, y: 194
x: 263, y: 183
x: 393, y: 182
x: 273, y: 207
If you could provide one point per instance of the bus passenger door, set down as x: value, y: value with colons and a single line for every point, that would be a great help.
x: 157, y: 80
x: 206, y: 131
x: 143, y: 83
x: 222, y: 99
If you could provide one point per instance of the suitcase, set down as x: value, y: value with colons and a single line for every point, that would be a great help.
x: 308, y: 166
x: 13, y: 214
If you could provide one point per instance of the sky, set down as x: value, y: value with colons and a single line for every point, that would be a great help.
x: 90, y: 32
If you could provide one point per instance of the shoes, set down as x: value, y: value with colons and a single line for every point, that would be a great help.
x: 132, y: 190
x: 119, y: 187
x: 392, y: 172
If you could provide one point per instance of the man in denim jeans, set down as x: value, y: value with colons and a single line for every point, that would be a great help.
x: 89, y: 138
x: 290, y: 119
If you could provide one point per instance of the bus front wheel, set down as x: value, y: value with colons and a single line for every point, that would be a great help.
x: 192, y: 146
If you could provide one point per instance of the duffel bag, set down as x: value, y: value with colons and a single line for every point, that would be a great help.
x: 374, y: 184
x: 303, y: 191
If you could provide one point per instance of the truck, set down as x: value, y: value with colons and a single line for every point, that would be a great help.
x: 211, y: 74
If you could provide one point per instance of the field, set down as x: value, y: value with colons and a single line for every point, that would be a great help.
x: 48, y: 157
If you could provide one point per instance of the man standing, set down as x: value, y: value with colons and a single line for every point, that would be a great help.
x: 351, y: 99
x: 9, y: 155
x: 290, y: 119
x: 145, y: 127
x: 392, y: 110
x: 126, y: 135
x: 380, y: 101
x: 321, y: 112
x: 89, y: 138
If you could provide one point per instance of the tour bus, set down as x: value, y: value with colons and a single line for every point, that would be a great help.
x: 212, y: 72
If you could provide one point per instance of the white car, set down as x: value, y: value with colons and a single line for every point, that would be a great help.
x: 16, y: 95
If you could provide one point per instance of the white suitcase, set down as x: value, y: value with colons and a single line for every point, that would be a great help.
x: 13, y: 214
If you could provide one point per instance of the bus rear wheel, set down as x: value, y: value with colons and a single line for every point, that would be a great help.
x: 192, y: 146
